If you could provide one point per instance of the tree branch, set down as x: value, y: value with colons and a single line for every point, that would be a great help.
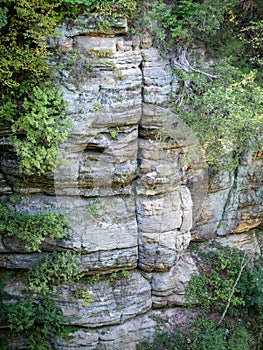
x: 242, y: 266
x: 182, y: 63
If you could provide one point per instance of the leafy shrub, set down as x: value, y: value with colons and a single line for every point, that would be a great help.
x: 221, y: 273
x: 211, y: 289
x: 228, y: 337
x: 37, y: 317
x: 33, y: 319
x: 106, y: 7
x: 30, y: 106
x: 47, y: 274
x: 242, y: 326
x: 224, y: 108
x: 186, y: 20
x: 225, y: 114
x: 39, y: 130
x: 202, y: 335
x: 33, y: 229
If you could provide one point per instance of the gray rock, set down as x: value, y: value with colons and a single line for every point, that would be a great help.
x: 168, y: 288
x: 124, y: 336
x: 115, y: 301
x: 90, y: 25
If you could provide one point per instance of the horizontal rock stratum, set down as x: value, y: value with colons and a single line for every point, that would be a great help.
x: 127, y: 164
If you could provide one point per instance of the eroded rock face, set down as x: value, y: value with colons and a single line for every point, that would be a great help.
x: 133, y: 198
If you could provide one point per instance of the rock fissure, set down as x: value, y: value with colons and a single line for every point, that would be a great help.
x: 229, y: 199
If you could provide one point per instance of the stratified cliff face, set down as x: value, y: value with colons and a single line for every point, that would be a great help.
x: 133, y: 198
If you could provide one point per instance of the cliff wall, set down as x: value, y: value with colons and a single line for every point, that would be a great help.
x: 134, y: 196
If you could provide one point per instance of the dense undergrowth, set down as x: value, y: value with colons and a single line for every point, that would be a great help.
x: 226, y: 299
x: 34, y: 317
x: 33, y: 314
x: 216, y: 49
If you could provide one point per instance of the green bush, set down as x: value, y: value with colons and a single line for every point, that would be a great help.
x: 242, y: 326
x: 211, y: 289
x: 33, y: 229
x: 45, y: 276
x: 226, y: 115
x: 221, y: 103
x: 202, y: 335
x: 31, y: 109
x: 228, y: 337
x: 34, y: 319
x: 39, y: 130
x: 187, y: 20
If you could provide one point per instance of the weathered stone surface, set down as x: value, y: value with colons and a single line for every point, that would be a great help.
x: 115, y: 301
x: 109, y: 260
x: 86, y: 43
x: 128, y: 335
x: 211, y: 215
x: 102, y: 261
x: 234, y: 203
x: 18, y: 261
x: 14, y: 182
x: 168, y: 288
x: 247, y: 242
x: 88, y: 25
x: 125, y: 336
x: 80, y: 340
x: 157, y: 77
x: 159, y: 168
x: 5, y: 188
x: 164, y: 223
x: 244, y: 209
x: 131, y: 189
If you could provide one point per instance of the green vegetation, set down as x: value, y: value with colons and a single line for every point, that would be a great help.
x: 32, y: 229
x: 226, y: 114
x: 32, y: 112
x: 125, y: 274
x: 96, y: 106
x: 211, y: 289
x: 33, y: 319
x: 228, y: 296
x: 114, y: 134
x: 52, y: 270
x: 187, y: 20
x: 221, y: 102
x: 114, y: 8
x: 31, y: 108
x: 222, y: 27
x: 36, y: 317
x: 84, y: 294
x: 93, y: 207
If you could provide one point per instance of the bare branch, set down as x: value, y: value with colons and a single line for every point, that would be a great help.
x: 182, y: 63
x: 242, y: 266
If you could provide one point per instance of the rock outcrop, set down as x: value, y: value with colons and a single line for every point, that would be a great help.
x: 128, y: 189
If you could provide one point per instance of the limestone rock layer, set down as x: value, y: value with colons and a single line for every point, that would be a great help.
x: 133, y: 198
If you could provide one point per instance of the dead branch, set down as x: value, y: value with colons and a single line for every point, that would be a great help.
x: 242, y: 266
x: 182, y: 63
